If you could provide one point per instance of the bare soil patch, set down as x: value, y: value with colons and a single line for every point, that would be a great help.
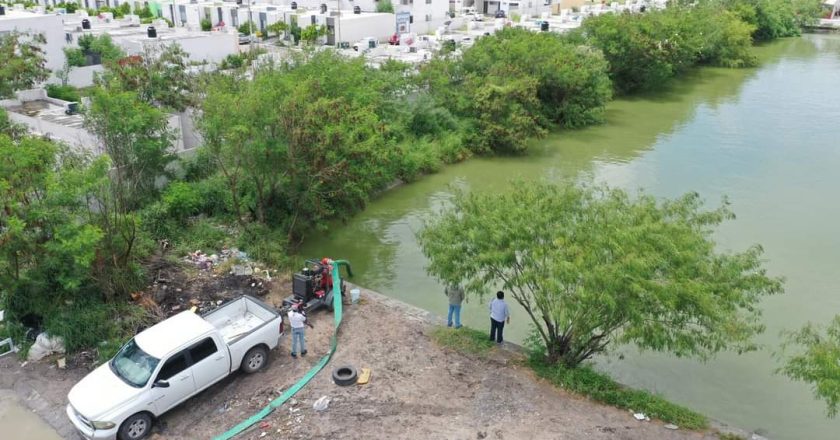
x: 417, y: 389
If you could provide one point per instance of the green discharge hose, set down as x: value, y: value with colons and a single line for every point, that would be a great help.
x: 276, y: 403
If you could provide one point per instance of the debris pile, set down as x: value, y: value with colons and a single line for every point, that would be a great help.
x: 221, y: 276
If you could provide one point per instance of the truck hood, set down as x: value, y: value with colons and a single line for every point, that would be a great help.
x: 100, y: 392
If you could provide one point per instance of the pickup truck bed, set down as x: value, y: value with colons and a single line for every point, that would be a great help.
x: 239, y: 318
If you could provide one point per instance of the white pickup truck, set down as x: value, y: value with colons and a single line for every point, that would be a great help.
x: 168, y: 363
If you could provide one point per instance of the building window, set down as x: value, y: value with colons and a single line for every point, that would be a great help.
x: 428, y: 2
x: 428, y: 16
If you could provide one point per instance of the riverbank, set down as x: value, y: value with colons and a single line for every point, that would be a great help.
x: 417, y: 390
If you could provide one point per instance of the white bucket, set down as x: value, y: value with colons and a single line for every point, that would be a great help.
x: 354, y: 295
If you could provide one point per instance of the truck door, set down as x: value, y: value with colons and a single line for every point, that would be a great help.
x: 209, y: 362
x: 179, y: 376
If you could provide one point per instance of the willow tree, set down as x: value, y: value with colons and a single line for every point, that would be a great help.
x: 593, y: 267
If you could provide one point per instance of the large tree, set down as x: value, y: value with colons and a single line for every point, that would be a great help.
x: 593, y: 266
x: 301, y: 143
x: 159, y: 76
x: 23, y: 65
x: 46, y: 246
x: 137, y: 138
x: 813, y: 356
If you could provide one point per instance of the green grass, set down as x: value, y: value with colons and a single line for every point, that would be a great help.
x: 600, y: 387
x: 463, y: 340
x: 729, y: 436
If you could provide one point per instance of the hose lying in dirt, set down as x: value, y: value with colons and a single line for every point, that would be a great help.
x: 337, y: 311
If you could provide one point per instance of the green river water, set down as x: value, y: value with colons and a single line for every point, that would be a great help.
x: 765, y: 137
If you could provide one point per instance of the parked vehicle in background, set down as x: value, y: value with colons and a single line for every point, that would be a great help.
x: 500, y: 14
x: 170, y: 362
x: 244, y: 39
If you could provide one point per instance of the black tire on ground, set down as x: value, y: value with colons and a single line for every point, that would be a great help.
x: 328, y: 301
x: 135, y: 427
x: 255, y: 359
x: 345, y: 375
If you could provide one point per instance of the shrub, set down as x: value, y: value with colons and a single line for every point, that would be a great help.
x: 65, y: 93
x: 247, y: 28
x: 418, y: 157
x: 264, y: 244
x: 182, y: 200
x: 204, y: 234
x: 232, y: 61
x: 206, y: 25
x: 91, y: 324
x: 385, y: 6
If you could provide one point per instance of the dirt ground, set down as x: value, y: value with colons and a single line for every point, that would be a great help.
x: 417, y: 389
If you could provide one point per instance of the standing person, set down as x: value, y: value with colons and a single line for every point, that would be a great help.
x: 499, y: 313
x: 297, y: 320
x: 456, y: 297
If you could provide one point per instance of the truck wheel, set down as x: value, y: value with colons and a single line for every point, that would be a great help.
x: 328, y: 301
x: 254, y: 360
x: 345, y: 376
x: 135, y: 427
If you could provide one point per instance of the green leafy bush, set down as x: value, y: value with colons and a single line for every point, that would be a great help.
x: 247, y: 28
x: 182, y: 200
x: 206, y: 25
x: 265, y: 244
x: 65, y: 93
x: 385, y: 6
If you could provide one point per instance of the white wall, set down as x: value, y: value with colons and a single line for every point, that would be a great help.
x: 213, y: 47
x: 356, y: 27
x: 49, y: 25
x: 83, y: 76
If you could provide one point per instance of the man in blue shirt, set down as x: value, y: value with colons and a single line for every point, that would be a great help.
x: 499, y: 313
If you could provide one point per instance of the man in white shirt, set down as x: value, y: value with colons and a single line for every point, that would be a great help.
x: 499, y: 313
x: 297, y: 321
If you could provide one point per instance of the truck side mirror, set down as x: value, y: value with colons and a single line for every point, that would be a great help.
x: 160, y: 384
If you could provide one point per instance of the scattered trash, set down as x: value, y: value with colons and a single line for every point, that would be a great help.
x: 263, y: 434
x: 321, y: 404
x: 242, y: 270
x: 354, y: 295
x: 640, y: 417
x: 364, y: 378
x: 671, y: 426
x: 193, y: 309
x: 62, y: 363
x: 44, y: 346
x: 264, y: 425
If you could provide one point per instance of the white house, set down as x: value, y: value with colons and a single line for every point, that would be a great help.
x: 424, y: 15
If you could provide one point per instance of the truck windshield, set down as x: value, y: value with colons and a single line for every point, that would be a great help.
x: 133, y: 365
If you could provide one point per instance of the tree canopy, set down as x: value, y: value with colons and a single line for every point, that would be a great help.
x: 593, y: 266
x: 159, y: 77
x: 301, y: 143
x: 812, y: 355
x: 23, y: 65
